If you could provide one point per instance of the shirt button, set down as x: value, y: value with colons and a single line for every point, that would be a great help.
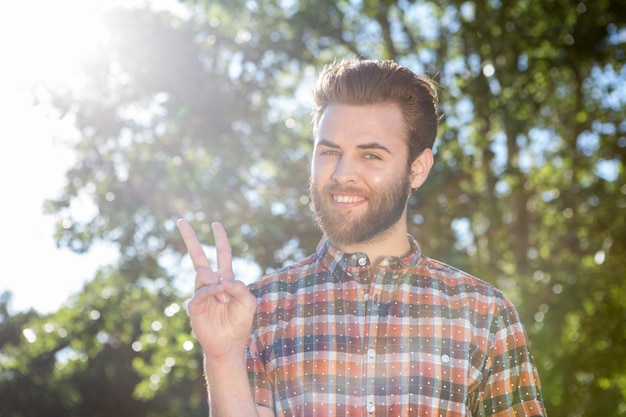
x: 362, y: 261
x: 371, y: 354
x: 445, y: 359
x: 370, y: 408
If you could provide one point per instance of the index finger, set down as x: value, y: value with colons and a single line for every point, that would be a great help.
x: 196, y: 253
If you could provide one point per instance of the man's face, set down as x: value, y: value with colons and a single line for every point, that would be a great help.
x: 360, y: 177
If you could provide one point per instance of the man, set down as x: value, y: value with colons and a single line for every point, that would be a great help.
x: 366, y: 326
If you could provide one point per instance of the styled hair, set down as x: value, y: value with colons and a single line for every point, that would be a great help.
x: 366, y: 82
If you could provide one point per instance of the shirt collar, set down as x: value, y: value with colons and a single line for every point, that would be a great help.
x: 337, y: 261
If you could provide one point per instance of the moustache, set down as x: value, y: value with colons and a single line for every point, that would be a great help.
x: 338, y: 189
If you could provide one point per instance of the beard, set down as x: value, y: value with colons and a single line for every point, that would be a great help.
x: 384, y: 209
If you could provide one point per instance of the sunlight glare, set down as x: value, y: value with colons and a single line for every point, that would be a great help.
x: 47, y: 40
x: 44, y: 43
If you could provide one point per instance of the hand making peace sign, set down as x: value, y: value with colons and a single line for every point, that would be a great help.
x: 222, y: 308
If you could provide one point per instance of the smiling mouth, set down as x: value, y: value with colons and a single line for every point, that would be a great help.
x: 347, y: 198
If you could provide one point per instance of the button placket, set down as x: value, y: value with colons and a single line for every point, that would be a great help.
x: 371, y: 407
x: 371, y: 356
x: 361, y: 262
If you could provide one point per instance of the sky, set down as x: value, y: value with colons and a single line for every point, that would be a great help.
x: 41, y: 41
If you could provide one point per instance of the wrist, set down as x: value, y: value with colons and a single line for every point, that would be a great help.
x: 224, y: 372
x: 227, y: 361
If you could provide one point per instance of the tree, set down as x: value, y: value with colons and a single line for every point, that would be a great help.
x: 111, y: 351
x: 201, y: 118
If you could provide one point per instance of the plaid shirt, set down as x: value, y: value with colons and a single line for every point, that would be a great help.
x: 334, y: 336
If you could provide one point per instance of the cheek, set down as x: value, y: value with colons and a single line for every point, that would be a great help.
x: 377, y: 178
x: 320, y: 169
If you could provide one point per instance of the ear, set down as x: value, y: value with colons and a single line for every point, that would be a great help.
x: 420, y: 168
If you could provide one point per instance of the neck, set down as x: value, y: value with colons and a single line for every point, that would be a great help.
x: 392, y: 242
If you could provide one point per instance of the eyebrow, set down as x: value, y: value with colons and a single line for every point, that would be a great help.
x: 370, y: 145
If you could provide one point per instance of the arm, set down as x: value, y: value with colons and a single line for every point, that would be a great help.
x: 221, y: 311
x: 511, y: 386
x: 228, y: 389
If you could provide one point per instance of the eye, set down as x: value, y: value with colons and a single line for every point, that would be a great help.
x: 372, y: 156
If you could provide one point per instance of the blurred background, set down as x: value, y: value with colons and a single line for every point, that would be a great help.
x: 121, y: 117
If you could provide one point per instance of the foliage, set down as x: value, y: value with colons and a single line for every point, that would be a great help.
x: 111, y: 351
x: 206, y: 118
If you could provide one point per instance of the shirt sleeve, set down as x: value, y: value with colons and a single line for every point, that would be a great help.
x: 511, y: 384
x: 260, y: 383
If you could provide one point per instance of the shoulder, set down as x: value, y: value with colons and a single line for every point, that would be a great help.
x: 279, y: 293
x: 286, y: 276
x: 491, y: 313
x: 458, y: 283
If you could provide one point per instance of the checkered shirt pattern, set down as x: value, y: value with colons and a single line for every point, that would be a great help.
x: 422, y: 339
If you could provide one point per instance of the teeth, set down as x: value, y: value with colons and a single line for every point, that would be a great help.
x: 347, y: 199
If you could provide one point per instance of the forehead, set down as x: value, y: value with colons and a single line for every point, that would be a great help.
x: 346, y: 124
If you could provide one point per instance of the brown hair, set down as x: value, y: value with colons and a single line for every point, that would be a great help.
x: 364, y: 82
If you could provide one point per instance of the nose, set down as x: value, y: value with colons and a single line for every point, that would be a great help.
x: 345, y: 171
